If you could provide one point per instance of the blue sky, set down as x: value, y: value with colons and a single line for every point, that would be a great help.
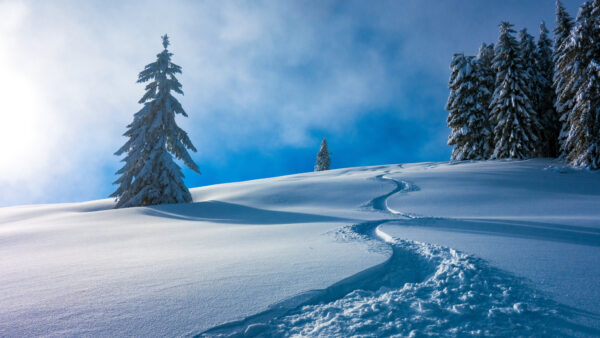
x: 264, y: 81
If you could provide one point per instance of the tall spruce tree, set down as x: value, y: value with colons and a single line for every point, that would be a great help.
x: 485, y: 81
x: 487, y: 75
x: 467, y: 118
x: 528, y: 51
x: 544, y: 94
x: 528, y: 55
x: 323, y: 160
x: 583, y: 139
x: 563, y: 58
x: 511, y: 109
x: 150, y: 176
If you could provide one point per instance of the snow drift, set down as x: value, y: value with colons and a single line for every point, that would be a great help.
x: 496, y: 248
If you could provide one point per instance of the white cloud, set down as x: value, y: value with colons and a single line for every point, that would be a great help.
x: 255, y: 75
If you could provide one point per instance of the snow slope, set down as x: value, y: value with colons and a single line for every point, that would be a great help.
x: 499, y: 247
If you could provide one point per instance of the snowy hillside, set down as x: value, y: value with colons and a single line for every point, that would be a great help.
x: 497, y: 247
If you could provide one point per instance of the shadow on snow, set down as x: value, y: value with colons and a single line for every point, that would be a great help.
x: 224, y: 212
x: 421, y: 289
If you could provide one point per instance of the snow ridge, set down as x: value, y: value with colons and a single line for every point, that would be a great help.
x: 422, y: 289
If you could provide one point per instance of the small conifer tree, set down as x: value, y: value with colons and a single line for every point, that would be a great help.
x: 323, y: 160
x: 150, y: 176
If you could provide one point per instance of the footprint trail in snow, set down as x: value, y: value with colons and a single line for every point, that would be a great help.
x: 422, y: 289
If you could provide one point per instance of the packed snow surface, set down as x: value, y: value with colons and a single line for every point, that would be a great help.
x: 466, y: 248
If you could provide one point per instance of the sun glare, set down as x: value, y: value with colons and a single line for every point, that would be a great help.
x: 22, y: 126
x: 19, y: 124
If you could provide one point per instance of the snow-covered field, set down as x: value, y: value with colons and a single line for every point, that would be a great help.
x: 503, y: 248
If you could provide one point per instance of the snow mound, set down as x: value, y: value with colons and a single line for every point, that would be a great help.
x: 504, y: 248
x: 422, y: 289
x: 462, y: 295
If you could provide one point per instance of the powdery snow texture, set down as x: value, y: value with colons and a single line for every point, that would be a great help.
x: 387, y: 250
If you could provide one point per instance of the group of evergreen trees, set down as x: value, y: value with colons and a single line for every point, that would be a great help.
x: 521, y: 99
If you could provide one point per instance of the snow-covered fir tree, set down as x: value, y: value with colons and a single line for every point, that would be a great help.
x: 323, y: 160
x: 582, y: 142
x: 528, y: 55
x: 530, y: 70
x: 563, y: 59
x: 544, y: 95
x: 485, y: 80
x: 511, y: 110
x: 467, y: 117
x: 487, y: 75
x: 150, y: 176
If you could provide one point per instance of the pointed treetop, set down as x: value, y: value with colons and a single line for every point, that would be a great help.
x: 506, y: 27
x: 563, y: 20
x: 544, y: 41
x: 165, y: 41
x: 527, y: 41
x: 560, y: 10
x: 543, y: 29
x: 524, y: 35
x: 324, y: 149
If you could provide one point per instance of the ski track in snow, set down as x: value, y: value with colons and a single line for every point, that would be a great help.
x: 420, y: 290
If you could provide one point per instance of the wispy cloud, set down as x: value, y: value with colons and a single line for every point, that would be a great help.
x: 259, y: 77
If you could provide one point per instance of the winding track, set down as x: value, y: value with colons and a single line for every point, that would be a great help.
x: 254, y: 324
x: 420, y: 289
